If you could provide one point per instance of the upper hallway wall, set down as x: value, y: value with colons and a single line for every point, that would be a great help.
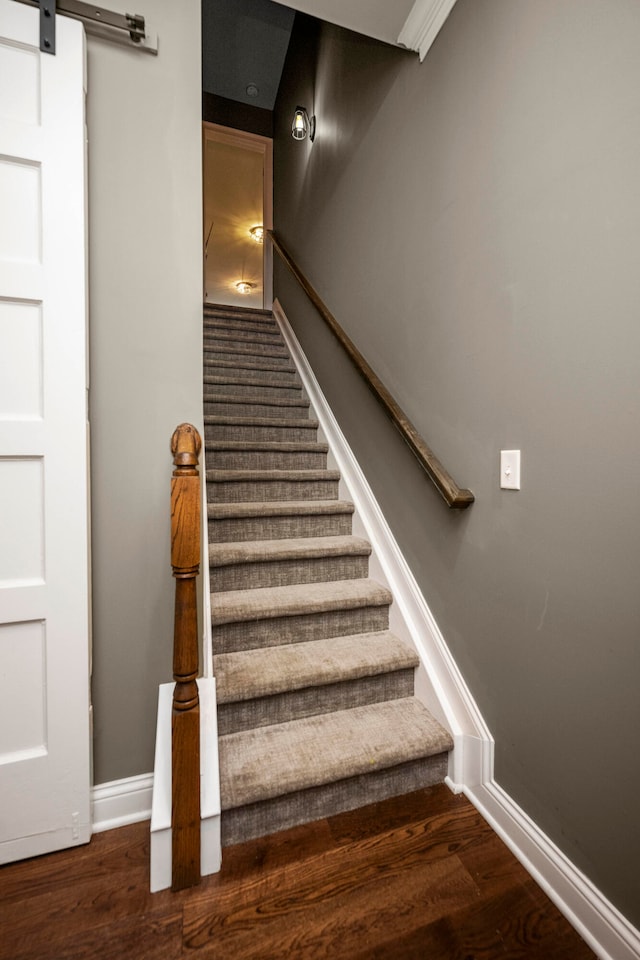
x: 145, y: 315
x: 474, y: 224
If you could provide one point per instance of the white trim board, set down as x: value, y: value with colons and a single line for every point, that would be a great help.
x: 600, y: 924
x: 439, y: 683
x: 422, y: 26
x: 119, y: 802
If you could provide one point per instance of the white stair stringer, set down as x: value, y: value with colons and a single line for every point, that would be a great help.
x: 439, y: 684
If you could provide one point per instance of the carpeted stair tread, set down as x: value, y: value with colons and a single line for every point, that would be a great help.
x: 265, y: 603
x: 213, y: 324
x: 251, y: 368
x: 265, y: 551
x: 227, y: 310
x: 271, y: 670
x: 273, y: 354
x: 257, y: 400
x: 213, y: 420
x: 266, y: 339
x: 225, y: 476
x: 249, y: 382
x: 272, y: 761
x: 262, y: 389
x: 278, y: 519
x: 267, y: 446
x: 229, y: 328
x: 252, y: 363
x: 266, y: 351
x: 278, y: 508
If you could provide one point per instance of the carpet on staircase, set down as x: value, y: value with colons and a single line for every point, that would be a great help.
x: 316, y: 705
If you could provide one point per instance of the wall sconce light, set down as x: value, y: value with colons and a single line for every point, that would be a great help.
x: 303, y: 125
x: 257, y: 234
x: 243, y: 286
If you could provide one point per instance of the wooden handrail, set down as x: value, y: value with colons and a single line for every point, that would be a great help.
x: 454, y: 496
x: 185, y: 723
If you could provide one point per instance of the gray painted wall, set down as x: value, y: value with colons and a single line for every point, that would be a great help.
x: 145, y: 275
x: 474, y: 224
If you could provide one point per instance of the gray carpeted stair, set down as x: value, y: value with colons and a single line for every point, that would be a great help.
x: 278, y: 563
x: 315, y: 695
x: 235, y: 522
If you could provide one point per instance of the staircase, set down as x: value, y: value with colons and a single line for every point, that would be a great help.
x: 316, y: 711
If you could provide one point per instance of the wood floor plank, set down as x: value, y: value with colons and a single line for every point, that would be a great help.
x: 377, y: 854
x: 155, y: 936
x: 384, y: 815
x: 304, y: 919
x: 85, y: 893
x: 502, y: 928
x: 419, y: 876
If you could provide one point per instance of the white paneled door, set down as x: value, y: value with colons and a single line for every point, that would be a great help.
x: 44, y: 587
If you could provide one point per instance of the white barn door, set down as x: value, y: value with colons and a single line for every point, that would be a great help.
x: 44, y: 587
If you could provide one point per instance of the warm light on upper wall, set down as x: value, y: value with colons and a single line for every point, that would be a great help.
x: 303, y: 125
x: 257, y: 234
x: 243, y: 286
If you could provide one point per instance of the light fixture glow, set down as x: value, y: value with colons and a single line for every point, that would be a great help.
x: 257, y: 233
x: 243, y: 286
x: 303, y: 125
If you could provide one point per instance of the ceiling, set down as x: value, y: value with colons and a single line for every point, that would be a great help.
x: 244, y: 42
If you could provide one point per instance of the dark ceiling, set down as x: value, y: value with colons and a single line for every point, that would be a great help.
x: 244, y: 44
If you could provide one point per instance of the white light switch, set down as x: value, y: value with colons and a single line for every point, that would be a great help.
x: 510, y: 469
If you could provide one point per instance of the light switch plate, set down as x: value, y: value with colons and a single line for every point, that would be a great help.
x: 510, y: 469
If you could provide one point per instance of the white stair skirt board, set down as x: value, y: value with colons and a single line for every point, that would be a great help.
x: 439, y: 683
x: 599, y: 923
x: 207, y: 640
x: 210, y: 848
x: 443, y: 690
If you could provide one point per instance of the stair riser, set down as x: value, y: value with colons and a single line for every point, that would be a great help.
x: 232, y: 431
x: 213, y: 327
x: 278, y: 528
x: 283, y: 573
x: 231, y: 408
x: 266, y: 460
x: 306, y: 806
x: 259, y: 490
x: 253, y: 314
x: 232, y: 637
x: 235, y: 338
x: 296, y: 704
x: 256, y: 320
x: 270, y: 375
x: 271, y: 355
x: 267, y: 391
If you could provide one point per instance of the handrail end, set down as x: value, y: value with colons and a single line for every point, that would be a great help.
x: 462, y: 500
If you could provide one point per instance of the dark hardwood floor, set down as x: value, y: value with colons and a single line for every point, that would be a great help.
x: 422, y: 876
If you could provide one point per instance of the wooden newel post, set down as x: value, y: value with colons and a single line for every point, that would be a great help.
x: 185, y: 739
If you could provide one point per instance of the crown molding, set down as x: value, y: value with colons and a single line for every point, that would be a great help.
x: 423, y: 24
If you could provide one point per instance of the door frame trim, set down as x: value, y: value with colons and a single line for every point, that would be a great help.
x: 249, y: 141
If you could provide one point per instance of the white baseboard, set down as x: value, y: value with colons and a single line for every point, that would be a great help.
x: 120, y: 802
x: 599, y: 923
